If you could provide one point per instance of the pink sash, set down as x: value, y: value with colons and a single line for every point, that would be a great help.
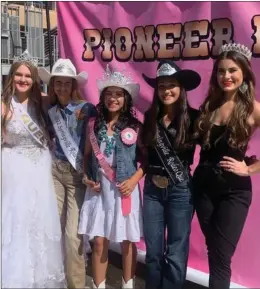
x: 109, y: 172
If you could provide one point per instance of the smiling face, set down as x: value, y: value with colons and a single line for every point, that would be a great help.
x: 23, y: 80
x: 63, y: 88
x: 168, y: 90
x: 114, y: 98
x: 229, y: 76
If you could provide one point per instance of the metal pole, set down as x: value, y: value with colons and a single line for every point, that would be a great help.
x: 49, y: 33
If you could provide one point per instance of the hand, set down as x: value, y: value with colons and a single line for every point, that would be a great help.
x: 234, y: 166
x: 126, y: 187
x: 94, y: 186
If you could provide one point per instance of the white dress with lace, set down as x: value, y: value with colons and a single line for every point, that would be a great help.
x: 101, y: 213
x: 31, y: 234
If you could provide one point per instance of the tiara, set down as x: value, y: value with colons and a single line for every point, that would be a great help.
x: 242, y: 49
x: 165, y: 70
x: 116, y: 76
x: 26, y: 56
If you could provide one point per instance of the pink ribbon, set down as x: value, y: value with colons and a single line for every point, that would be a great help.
x: 109, y: 172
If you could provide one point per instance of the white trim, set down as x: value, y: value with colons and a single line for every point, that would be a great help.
x: 193, y: 275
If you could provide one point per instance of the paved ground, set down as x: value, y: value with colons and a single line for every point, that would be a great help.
x: 115, y: 273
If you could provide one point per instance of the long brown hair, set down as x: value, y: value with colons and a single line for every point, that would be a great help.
x: 34, y: 98
x: 182, y: 119
x: 75, y: 95
x: 238, y: 127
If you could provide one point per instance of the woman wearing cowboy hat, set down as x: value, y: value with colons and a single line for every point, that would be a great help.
x: 168, y: 128
x: 69, y: 116
x: 112, y: 206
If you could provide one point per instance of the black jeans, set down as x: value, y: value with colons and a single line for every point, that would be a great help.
x: 222, y: 213
x: 166, y: 258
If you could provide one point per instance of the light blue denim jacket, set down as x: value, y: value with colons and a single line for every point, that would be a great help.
x: 76, y: 127
x: 126, y: 161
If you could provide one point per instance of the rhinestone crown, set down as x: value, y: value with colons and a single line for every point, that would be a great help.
x: 26, y: 56
x: 116, y: 76
x: 242, y: 49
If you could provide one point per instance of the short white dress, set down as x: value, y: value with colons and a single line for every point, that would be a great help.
x: 101, y: 213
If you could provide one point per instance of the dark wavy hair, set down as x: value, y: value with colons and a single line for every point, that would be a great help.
x: 154, y: 113
x: 127, y: 116
x: 237, y: 126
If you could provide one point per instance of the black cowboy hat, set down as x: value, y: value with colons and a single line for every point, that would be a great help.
x: 187, y: 78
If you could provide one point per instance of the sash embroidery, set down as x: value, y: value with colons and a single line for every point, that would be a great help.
x: 29, y: 124
x: 67, y: 143
x: 170, y: 160
x: 109, y: 172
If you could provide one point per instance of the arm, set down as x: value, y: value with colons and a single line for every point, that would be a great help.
x: 128, y: 185
x: 255, y: 167
x: 87, y: 152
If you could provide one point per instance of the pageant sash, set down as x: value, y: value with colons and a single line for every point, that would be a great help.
x: 109, y: 172
x: 29, y: 124
x: 67, y: 143
x: 169, y: 159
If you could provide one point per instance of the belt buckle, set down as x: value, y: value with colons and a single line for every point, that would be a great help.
x: 160, y: 181
x: 63, y: 166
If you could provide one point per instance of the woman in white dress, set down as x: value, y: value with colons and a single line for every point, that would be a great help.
x: 112, y: 208
x: 31, y: 233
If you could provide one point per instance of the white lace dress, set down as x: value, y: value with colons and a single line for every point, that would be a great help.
x: 31, y: 234
x: 101, y: 213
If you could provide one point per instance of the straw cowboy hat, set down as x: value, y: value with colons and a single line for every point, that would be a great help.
x: 63, y: 67
x: 187, y: 78
x: 118, y: 79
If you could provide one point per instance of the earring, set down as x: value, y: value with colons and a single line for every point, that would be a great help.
x: 243, y: 88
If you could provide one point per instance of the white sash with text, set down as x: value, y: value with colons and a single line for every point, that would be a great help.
x: 29, y: 124
x: 67, y: 143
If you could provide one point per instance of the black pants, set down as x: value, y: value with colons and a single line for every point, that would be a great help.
x: 222, y: 213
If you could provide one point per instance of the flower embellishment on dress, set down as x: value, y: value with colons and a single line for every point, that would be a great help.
x: 129, y: 136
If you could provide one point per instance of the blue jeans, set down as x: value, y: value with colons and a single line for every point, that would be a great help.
x: 167, y: 254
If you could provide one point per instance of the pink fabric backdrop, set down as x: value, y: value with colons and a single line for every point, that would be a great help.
x: 74, y: 17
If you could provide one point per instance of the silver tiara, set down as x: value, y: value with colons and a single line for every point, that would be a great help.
x: 242, y: 49
x: 26, y: 56
x: 165, y: 70
x: 116, y: 76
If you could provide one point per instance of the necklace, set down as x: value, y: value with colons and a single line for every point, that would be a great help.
x: 110, y: 142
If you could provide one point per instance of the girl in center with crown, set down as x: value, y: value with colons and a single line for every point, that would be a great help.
x: 112, y: 206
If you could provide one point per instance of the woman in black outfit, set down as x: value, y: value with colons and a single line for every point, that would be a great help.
x: 222, y: 184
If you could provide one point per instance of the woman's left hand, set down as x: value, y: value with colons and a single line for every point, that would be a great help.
x: 231, y: 165
x: 127, y: 187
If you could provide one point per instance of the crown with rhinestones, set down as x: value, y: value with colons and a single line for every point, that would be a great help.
x: 242, y: 49
x: 117, y: 76
x: 165, y: 70
x: 26, y: 57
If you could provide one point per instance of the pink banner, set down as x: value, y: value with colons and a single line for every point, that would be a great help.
x: 135, y: 35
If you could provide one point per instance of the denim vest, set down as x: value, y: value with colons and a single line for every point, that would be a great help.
x: 126, y: 164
